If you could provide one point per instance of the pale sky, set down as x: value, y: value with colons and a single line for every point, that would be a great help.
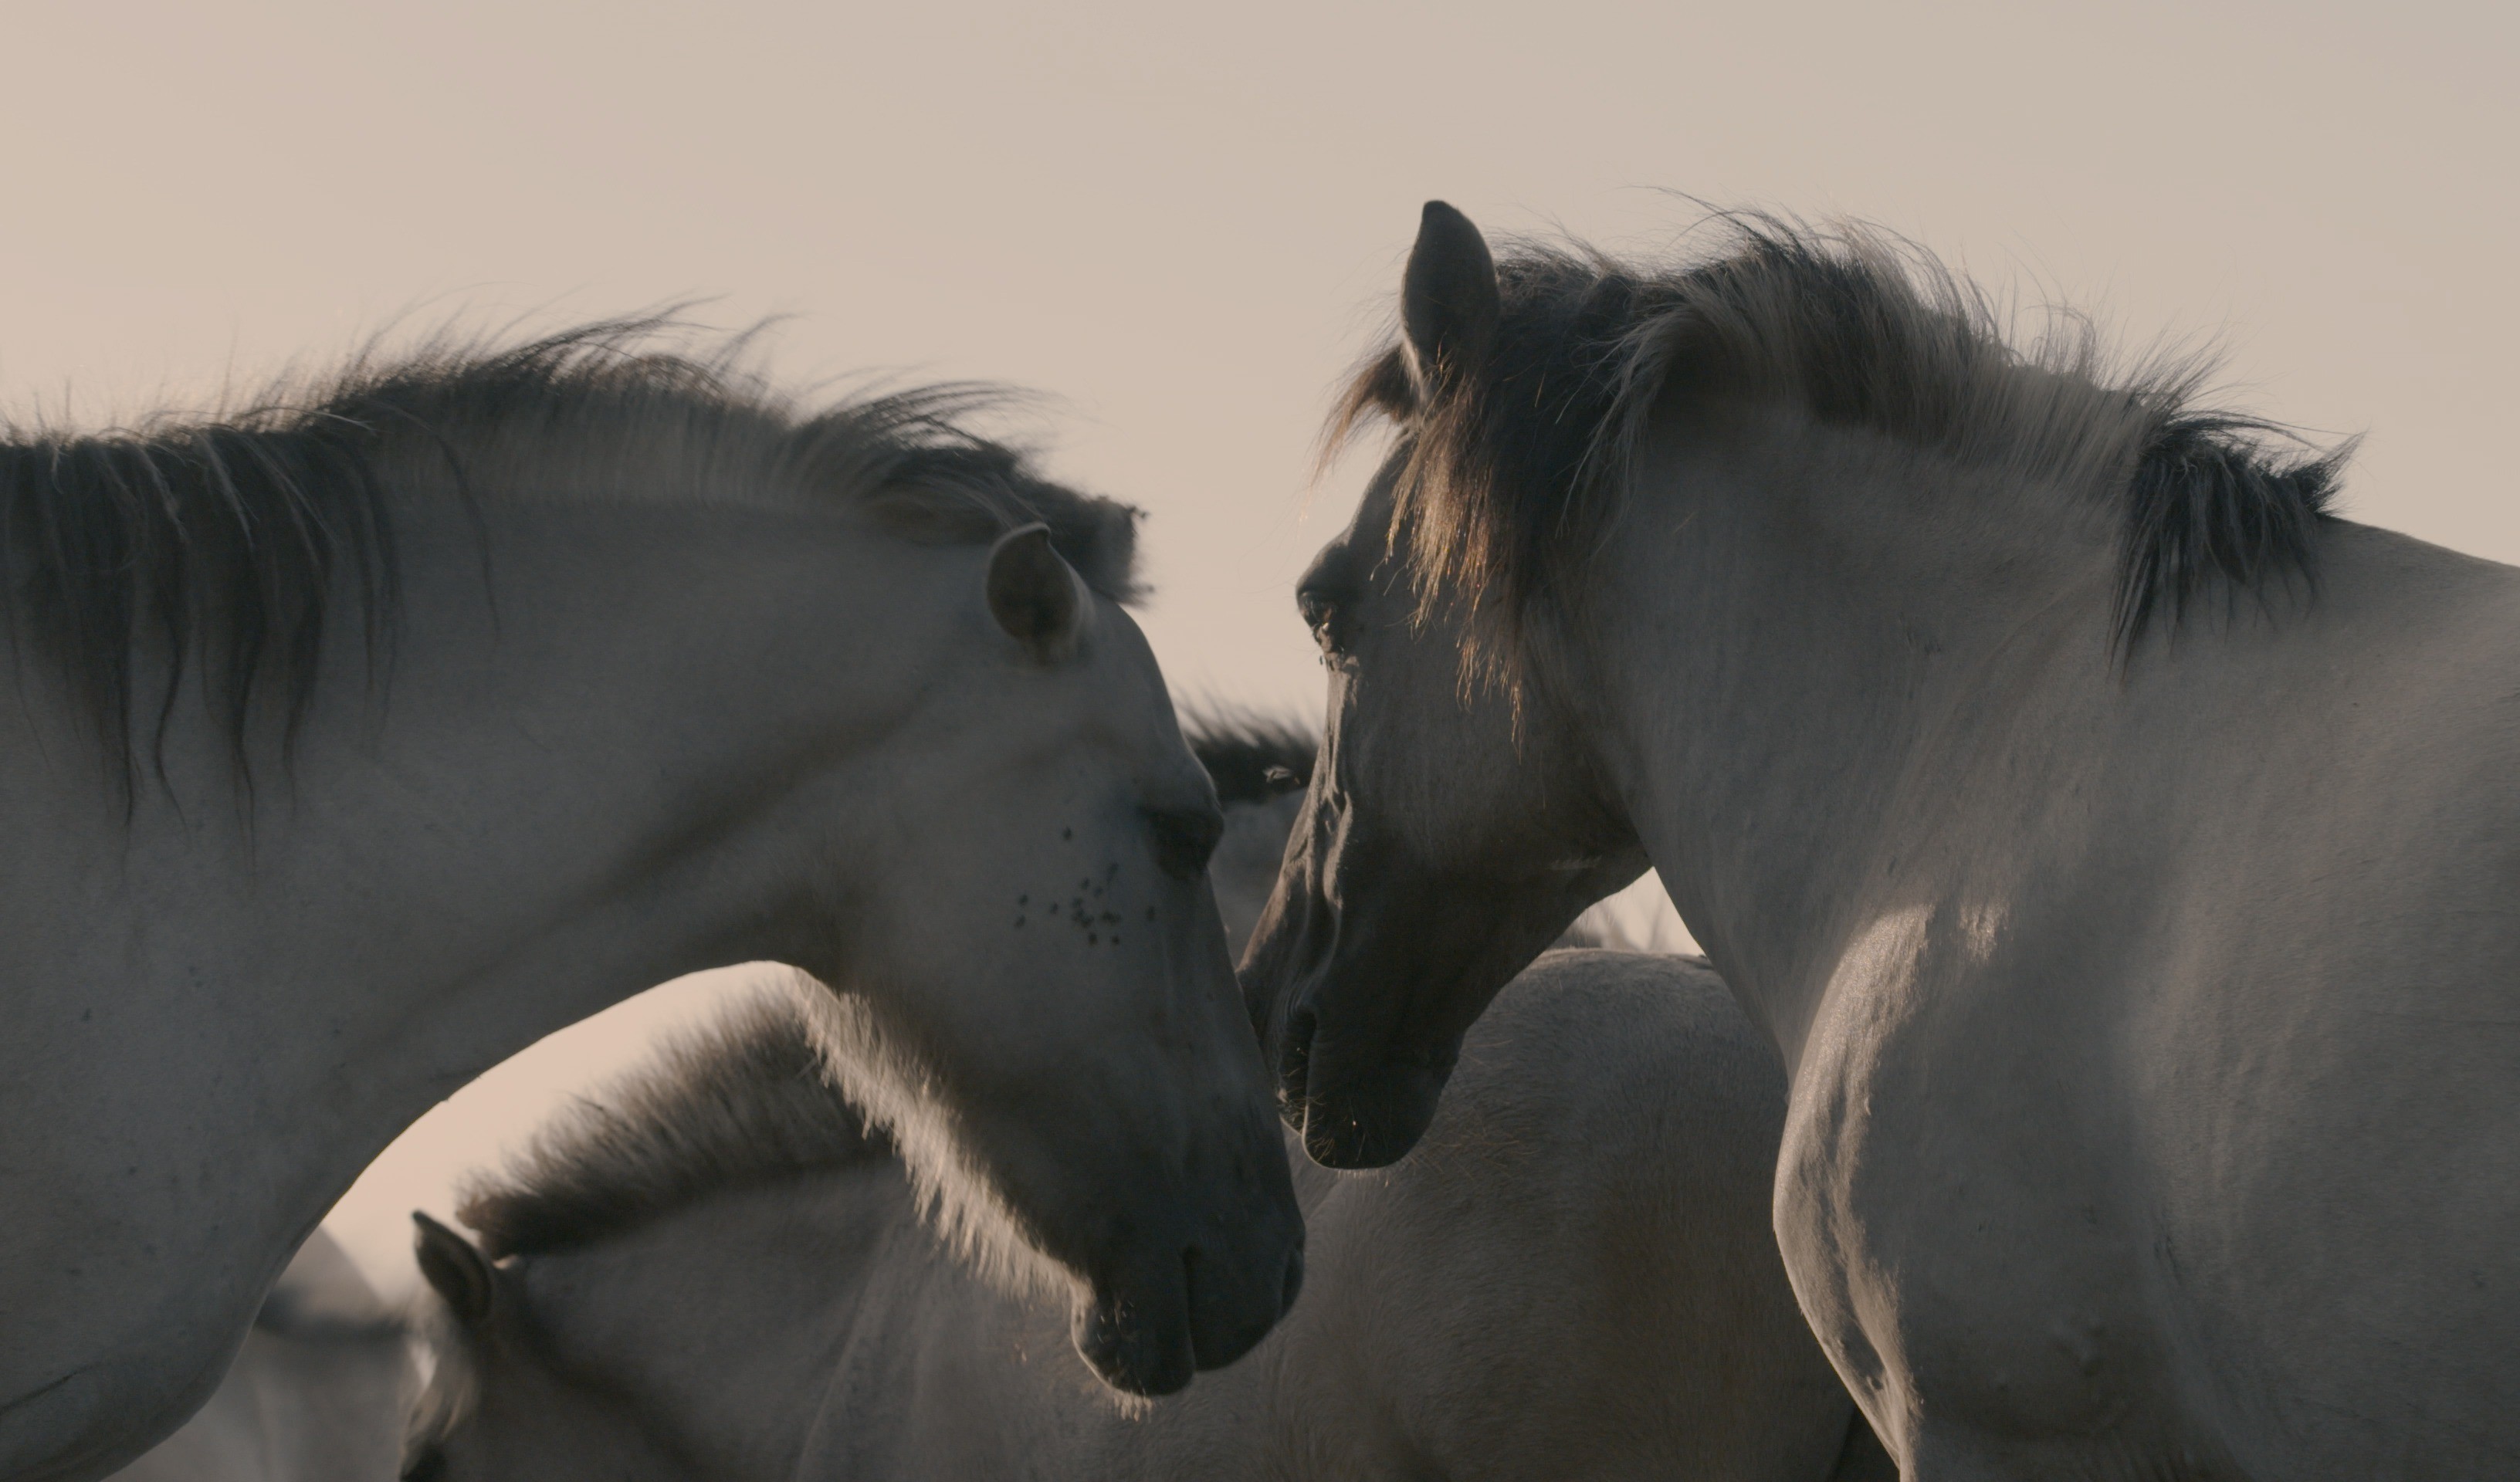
x: 1184, y: 222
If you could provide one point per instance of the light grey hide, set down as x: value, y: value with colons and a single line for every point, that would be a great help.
x: 2151, y: 994
x: 317, y: 1394
x: 1572, y: 1278
x: 683, y: 676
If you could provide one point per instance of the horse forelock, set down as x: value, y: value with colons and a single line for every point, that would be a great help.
x: 1506, y: 473
x: 454, y: 1376
x: 226, y: 544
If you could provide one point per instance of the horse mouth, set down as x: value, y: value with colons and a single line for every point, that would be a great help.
x: 1351, y: 1115
x: 1150, y: 1340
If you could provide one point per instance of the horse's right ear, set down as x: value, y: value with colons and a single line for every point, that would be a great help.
x: 1449, y: 305
x: 1036, y: 596
x: 455, y: 1266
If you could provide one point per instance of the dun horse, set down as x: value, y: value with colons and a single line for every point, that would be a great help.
x: 2120, y: 849
x: 360, y: 742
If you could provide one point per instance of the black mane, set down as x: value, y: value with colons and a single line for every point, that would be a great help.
x: 226, y: 546
x: 1513, y: 466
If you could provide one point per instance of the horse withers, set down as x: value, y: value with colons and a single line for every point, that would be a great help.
x: 361, y: 741
x: 2119, y: 848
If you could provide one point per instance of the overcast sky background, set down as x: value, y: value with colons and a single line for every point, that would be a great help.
x: 1184, y: 222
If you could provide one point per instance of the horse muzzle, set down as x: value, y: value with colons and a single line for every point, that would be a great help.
x: 1357, y: 1110
x: 1147, y: 1331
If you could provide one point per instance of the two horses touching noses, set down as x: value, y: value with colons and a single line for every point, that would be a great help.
x: 371, y: 736
x: 713, y: 1270
x: 2120, y: 849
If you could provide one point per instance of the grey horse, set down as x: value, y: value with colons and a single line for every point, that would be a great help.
x: 2121, y: 850
x: 356, y: 742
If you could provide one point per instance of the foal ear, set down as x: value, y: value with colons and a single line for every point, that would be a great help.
x: 455, y: 1266
x: 1448, y: 299
x: 1036, y: 596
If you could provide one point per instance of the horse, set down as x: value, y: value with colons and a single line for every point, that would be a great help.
x: 317, y: 1395
x: 2118, y: 846
x: 366, y: 736
x: 718, y: 1272
x: 1259, y: 765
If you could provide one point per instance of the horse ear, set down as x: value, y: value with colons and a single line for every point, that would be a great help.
x: 1036, y: 596
x: 455, y: 1266
x: 1449, y: 304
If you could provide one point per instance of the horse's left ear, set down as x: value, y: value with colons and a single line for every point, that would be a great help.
x: 455, y: 1266
x: 1449, y: 305
x: 1036, y: 596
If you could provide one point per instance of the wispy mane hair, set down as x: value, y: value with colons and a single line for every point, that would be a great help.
x: 1510, y: 468
x: 221, y: 547
x: 747, y: 1100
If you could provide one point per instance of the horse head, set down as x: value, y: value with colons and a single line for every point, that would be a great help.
x: 1453, y: 826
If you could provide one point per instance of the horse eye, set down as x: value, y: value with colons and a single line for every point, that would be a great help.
x: 1184, y: 839
x: 1321, y: 614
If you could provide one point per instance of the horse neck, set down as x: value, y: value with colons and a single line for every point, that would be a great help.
x: 600, y: 779
x: 1809, y: 641
x: 731, y: 1318
x: 629, y: 737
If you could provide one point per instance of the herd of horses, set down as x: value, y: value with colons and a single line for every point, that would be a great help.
x: 2108, y: 855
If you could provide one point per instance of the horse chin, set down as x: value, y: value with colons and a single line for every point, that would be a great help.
x: 1128, y: 1349
x: 1186, y: 1309
x: 1370, y: 1120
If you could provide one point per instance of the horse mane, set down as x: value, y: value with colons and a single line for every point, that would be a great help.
x: 1242, y: 748
x: 1513, y: 469
x: 229, y: 541
x: 745, y: 1099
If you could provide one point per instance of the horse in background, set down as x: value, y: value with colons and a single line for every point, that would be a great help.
x: 317, y: 1394
x: 2122, y: 851
x: 1261, y: 765
x: 365, y: 738
x: 715, y: 1269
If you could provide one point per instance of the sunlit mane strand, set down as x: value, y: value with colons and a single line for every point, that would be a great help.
x: 1510, y: 468
x: 748, y: 1099
x: 219, y: 549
